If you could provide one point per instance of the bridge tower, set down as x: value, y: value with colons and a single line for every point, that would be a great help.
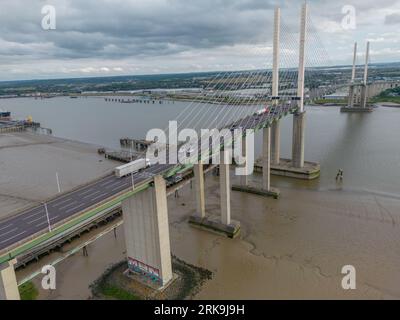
x: 353, y: 77
x: 359, y: 92
x: 8, y: 282
x: 271, y: 136
x: 146, y: 229
x: 299, y: 116
x: 275, y: 129
x: 295, y: 167
x: 364, y: 88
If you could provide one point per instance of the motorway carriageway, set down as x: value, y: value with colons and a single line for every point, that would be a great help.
x: 34, y: 220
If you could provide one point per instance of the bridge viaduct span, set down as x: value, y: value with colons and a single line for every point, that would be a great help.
x: 143, y: 196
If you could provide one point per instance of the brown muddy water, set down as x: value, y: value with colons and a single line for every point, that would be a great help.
x: 294, y: 247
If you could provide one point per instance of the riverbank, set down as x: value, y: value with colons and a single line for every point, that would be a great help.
x: 292, y: 248
x: 30, y: 163
x: 388, y: 104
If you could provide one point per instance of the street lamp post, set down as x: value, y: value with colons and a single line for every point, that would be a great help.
x: 47, y: 215
x: 58, y: 183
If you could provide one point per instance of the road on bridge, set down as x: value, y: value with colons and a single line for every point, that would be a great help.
x: 32, y: 221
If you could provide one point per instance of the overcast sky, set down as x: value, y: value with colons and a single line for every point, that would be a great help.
x: 123, y: 37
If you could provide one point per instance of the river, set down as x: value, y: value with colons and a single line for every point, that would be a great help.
x: 365, y: 146
x: 294, y: 247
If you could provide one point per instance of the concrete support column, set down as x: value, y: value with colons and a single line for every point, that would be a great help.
x: 300, y: 78
x: 351, y: 96
x: 275, y: 147
x: 298, y: 118
x: 199, y: 189
x: 225, y: 189
x: 221, y: 224
x: 276, y: 143
x: 146, y: 228
x: 8, y: 282
x: 298, y: 140
x: 363, y: 101
x: 266, y: 159
x: 244, y: 179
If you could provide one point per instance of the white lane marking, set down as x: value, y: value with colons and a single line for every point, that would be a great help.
x: 2, y: 228
x: 2, y: 235
x: 107, y: 183
x: 37, y: 219
x: 13, y: 237
x: 92, y: 194
x: 62, y: 202
x: 33, y: 215
x: 74, y: 208
x: 68, y: 205
x: 122, y: 185
x: 45, y: 222
x: 114, y: 184
x: 102, y: 195
x: 87, y: 191
x: 77, y: 191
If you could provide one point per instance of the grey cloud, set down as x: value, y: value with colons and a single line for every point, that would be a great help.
x: 138, y: 27
x: 393, y: 18
x: 105, y: 30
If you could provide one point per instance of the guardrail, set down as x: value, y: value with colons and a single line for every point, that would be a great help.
x: 85, y: 217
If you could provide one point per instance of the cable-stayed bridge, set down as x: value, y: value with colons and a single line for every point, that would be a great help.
x: 281, y: 90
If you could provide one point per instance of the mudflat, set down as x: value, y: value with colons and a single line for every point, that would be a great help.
x: 29, y: 163
x: 293, y: 248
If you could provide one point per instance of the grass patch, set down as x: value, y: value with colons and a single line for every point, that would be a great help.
x: 330, y: 101
x: 390, y: 95
x: 28, y: 291
x: 385, y: 99
x: 114, y: 284
x: 115, y: 292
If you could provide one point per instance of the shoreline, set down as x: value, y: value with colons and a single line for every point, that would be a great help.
x: 291, y: 248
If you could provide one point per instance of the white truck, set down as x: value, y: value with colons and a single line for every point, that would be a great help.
x: 131, y: 167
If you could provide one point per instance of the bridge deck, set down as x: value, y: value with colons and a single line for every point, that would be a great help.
x: 23, y: 227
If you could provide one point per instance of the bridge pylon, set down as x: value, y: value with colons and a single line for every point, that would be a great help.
x: 297, y: 167
x: 275, y: 129
x: 8, y: 282
x: 359, y: 92
x: 271, y: 136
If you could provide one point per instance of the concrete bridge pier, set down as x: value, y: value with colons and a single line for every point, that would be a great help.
x: 8, y: 282
x: 296, y: 167
x: 222, y: 224
x: 265, y: 189
x: 276, y: 143
x: 244, y: 179
x: 146, y: 229
x: 298, y: 140
x: 199, y: 189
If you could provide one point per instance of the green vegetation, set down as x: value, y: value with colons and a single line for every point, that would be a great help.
x: 28, y: 291
x: 107, y: 288
x: 116, y: 284
x: 330, y: 101
x: 390, y: 95
x: 114, y: 292
x: 233, y: 80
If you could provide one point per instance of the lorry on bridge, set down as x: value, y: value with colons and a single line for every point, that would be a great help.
x: 131, y: 167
